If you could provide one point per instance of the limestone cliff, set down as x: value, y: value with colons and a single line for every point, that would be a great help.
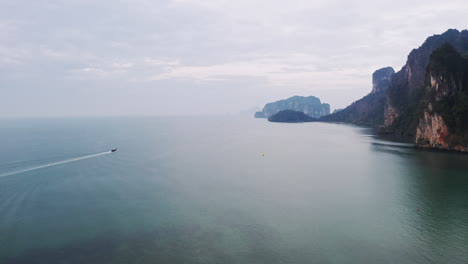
x: 381, y: 79
x: 407, y: 86
x: 443, y: 109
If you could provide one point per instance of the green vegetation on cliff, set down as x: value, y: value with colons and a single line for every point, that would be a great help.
x: 291, y: 116
x: 411, y: 106
x: 368, y: 110
x: 447, y: 63
x: 408, y: 86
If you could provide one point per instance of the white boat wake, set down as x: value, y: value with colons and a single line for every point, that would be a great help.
x: 55, y: 164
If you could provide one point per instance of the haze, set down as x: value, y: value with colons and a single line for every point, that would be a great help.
x: 202, y: 57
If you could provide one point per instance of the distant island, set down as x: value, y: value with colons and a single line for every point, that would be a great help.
x: 311, y: 106
x: 426, y: 100
x: 291, y: 116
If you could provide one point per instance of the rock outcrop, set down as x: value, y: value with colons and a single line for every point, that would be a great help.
x: 381, y: 79
x: 407, y: 86
x: 291, y: 116
x: 310, y: 106
x: 443, y: 111
x: 368, y: 110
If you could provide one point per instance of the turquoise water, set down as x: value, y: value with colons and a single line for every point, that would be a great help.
x: 224, y: 190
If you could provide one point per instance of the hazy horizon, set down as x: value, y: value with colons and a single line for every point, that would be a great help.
x: 193, y: 57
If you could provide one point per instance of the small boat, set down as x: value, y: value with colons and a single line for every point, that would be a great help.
x: 113, y: 150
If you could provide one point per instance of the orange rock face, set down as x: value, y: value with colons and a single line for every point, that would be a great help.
x: 432, y: 132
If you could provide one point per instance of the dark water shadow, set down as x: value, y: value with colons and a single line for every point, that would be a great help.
x: 163, y: 245
x: 187, y: 244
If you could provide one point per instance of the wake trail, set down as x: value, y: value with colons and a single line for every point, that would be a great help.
x: 55, y: 163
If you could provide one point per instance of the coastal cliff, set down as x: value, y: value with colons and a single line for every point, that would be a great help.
x: 381, y: 79
x: 407, y: 85
x: 427, y: 100
x: 368, y: 110
x: 311, y: 106
x: 443, y: 110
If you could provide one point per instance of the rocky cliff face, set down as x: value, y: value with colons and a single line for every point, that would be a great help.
x: 310, y: 106
x: 381, y: 79
x: 443, y: 110
x: 370, y: 109
x: 407, y: 85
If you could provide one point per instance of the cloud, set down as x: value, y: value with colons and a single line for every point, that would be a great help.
x: 296, y: 70
x: 261, y: 49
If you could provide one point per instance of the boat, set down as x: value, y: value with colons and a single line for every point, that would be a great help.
x: 113, y: 150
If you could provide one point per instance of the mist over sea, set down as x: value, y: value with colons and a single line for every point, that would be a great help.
x: 224, y: 190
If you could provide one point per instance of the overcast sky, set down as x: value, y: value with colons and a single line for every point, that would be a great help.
x: 193, y: 57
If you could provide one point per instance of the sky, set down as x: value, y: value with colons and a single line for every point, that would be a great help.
x: 202, y: 57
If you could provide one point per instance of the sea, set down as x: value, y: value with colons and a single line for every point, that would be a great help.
x: 224, y: 190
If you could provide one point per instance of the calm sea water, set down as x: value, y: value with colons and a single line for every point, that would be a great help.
x: 224, y: 190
